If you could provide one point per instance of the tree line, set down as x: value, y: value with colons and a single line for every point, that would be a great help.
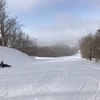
x: 90, y: 46
x: 56, y: 51
x: 12, y: 34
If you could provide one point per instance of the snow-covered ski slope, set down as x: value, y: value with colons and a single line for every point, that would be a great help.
x: 67, y: 78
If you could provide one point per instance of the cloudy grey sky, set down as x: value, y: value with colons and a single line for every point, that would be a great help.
x: 51, y: 21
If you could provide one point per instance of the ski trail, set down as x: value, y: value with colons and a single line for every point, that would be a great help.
x: 95, y: 96
x: 5, y: 91
x: 68, y: 78
x: 48, y: 88
x: 21, y: 89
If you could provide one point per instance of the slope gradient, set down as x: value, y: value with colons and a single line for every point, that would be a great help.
x: 67, y: 78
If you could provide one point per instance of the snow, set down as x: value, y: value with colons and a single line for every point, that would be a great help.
x: 66, y: 78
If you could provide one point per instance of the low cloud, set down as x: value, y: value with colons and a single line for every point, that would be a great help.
x: 68, y: 30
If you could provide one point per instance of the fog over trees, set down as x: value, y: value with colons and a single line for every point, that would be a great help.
x: 56, y: 50
x: 13, y: 36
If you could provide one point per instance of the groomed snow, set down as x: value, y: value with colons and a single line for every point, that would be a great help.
x: 66, y: 78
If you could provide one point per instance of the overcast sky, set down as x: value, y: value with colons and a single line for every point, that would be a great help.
x: 57, y: 20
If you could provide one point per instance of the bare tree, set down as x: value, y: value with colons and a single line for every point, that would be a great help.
x: 5, y: 22
x: 97, y: 45
x: 86, y: 46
